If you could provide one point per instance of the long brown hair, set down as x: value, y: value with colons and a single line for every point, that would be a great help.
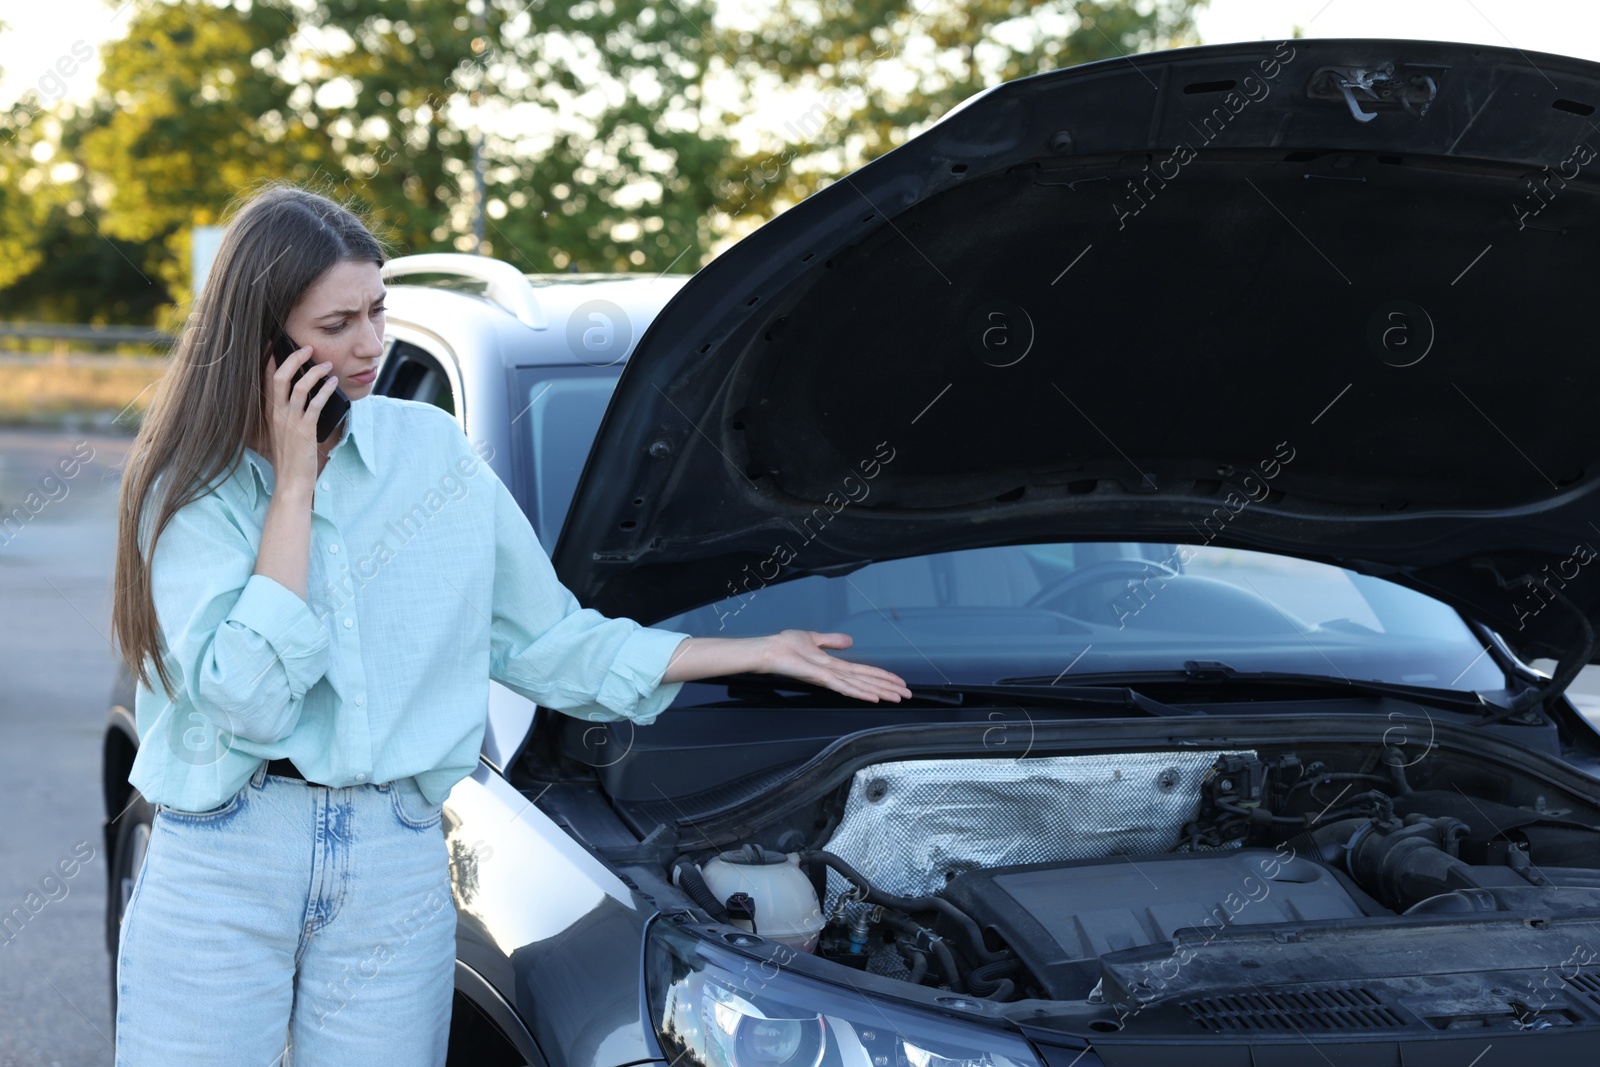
x: 279, y: 240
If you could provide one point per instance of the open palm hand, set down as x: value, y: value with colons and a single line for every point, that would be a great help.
x: 800, y: 654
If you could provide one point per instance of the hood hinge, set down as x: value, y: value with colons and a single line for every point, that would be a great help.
x: 1573, y: 660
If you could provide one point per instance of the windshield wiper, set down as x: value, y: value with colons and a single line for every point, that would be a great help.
x: 1204, y: 672
x: 954, y: 695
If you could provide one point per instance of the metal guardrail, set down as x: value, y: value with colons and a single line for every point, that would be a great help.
x: 100, y: 360
x: 68, y: 334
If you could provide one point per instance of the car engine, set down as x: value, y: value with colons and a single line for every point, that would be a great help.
x: 1079, y: 878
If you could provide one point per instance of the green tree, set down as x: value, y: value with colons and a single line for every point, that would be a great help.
x: 19, y: 251
x: 192, y: 108
x: 875, y: 72
x: 56, y: 264
x: 609, y: 134
x: 587, y: 117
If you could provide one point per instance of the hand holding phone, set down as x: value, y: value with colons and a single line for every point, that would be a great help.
x: 334, y: 409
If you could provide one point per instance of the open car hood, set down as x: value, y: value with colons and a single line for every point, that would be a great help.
x: 1326, y: 298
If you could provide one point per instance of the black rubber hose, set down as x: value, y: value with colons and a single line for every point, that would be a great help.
x: 948, y: 963
x: 941, y: 950
x: 1002, y: 991
x: 825, y: 831
x: 1383, y: 802
x: 1397, y: 770
x: 991, y: 973
x: 1324, y: 777
x: 917, y: 961
x: 972, y: 937
x: 1259, y: 815
x: 989, y: 982
x: 691, y: 881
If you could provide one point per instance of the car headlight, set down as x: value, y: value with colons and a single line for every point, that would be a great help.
x: 714, y: 1008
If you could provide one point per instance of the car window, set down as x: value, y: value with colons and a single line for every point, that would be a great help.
x: 411, y: 373
x: 982, y: 614
x: 560, y: 410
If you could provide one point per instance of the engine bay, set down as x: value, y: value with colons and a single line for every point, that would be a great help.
x: 1142, y: 886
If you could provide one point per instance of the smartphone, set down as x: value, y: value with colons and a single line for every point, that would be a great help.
x: 334, y: 409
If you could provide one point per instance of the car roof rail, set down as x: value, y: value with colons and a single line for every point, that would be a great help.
x: 506, y: 285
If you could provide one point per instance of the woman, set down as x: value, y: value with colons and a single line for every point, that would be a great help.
x: 323, y: 619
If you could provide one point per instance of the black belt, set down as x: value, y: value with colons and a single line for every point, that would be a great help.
x: 284, y: 767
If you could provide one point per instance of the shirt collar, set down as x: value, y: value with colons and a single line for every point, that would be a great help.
x: 357, y: 428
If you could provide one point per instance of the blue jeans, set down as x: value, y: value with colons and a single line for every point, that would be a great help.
x: 296, y: 924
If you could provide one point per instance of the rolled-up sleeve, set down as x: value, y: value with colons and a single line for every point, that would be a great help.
x: 248, y: 648
x: 566, y: 657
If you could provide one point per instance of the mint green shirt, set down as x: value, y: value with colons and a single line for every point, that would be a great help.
x: 425, y: 581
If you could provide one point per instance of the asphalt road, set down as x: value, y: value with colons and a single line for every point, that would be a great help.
x: 57, y: 666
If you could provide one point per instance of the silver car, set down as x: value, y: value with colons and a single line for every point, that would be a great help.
x: 1205, y: 436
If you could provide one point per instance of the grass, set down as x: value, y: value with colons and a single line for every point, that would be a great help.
x: 100, y: 393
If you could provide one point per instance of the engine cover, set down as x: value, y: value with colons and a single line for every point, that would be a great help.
x: 1061, y: 917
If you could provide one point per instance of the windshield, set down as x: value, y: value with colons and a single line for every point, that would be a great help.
x: 1074, y: 609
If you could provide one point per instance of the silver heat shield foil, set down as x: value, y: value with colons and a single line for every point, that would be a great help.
x: 911, y: 826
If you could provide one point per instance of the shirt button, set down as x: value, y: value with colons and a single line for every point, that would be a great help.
x: 333, y: 548
x: 323, y: 486
x: 360, y: 701
x: 361, y: 777
x: 348, y: 624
